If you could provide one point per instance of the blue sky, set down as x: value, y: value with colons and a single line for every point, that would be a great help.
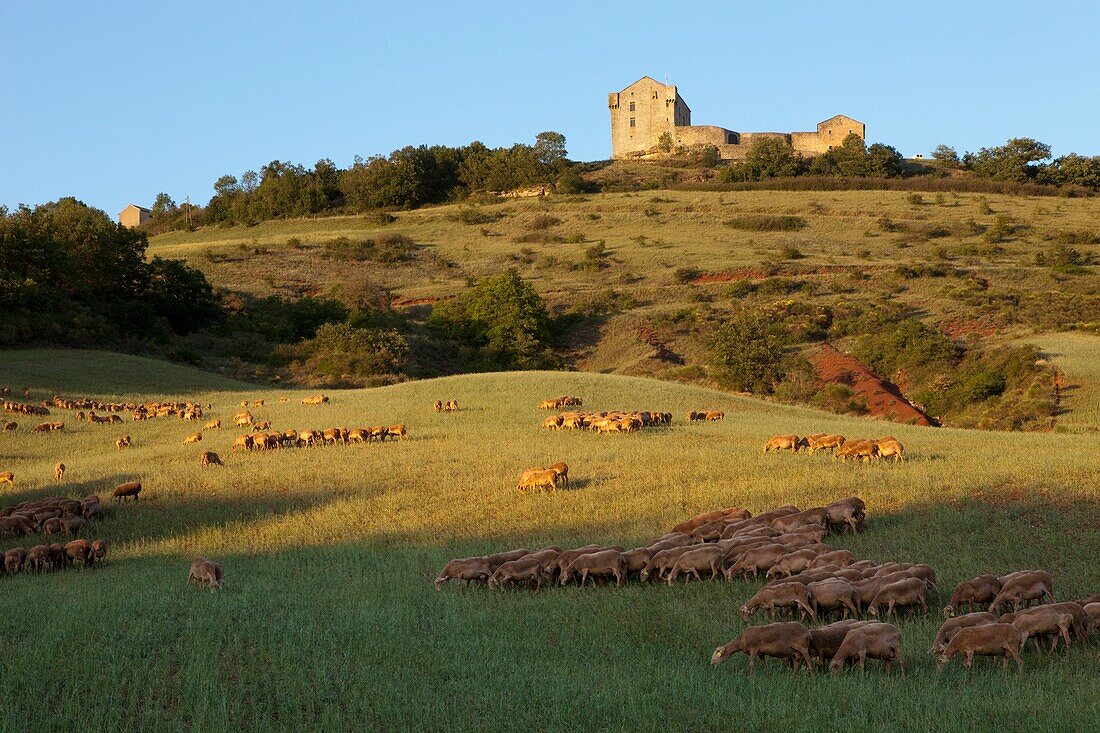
x: 113, y: 102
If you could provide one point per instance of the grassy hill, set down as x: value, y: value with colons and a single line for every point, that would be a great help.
x: 1078, y: 355
x: 330, y: 620
x: 654, y: 271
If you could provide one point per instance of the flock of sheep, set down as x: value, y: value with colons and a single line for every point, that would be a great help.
x: 807, y: 579
x: 51, y: 516
x: 607, y: 422
x: 869, y: 449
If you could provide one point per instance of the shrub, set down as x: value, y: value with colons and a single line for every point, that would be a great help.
x: 543, y: 221
x: 686, y: 275
x: 763, y: 223
x: 747, y: 352
x: 790, y: 252
x: 503, y: 319
x: 341, y: 351
x: 915, y: 199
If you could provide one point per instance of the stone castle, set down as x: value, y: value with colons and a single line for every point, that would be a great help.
x: 643, y: 112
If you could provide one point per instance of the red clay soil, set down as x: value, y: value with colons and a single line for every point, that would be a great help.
x: 884, y: 399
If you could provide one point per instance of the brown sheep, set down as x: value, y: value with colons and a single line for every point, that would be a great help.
x: 1045, y: 620
x: 834, y: 593
x: 130, y: 488
x: 39, y: 558
x: 192, y: 438
x: 637, y: 559
x: 358, y: 435
x: 539, y: 479
x: 974, y: 592
x: 907, y: 592
x: 785, y: 640
x: 817, y: 515
x: 989, y: 640
x: 468, y: 568
x: 59, y: 471
x: 14, y: 559
x: 243, y: 442
x: 782, y: 442
x: 712, y: 415
x: 877, y: 641
x: 561, y: 562
x: 792, y: 562
x: 952, y: 626
x: 602, y: 563
x: 793, y: 596
x: 7, y: 477
x: 52, y: 526
x: 73, y: 523
x: 10, y: 425
x: 561, y: 468
x: 847, y: 513
x: 825, y: 641
x: 553, y: 422
x: 78, y: 550
x: 212, y: 425
x: 1022, y: 588
x: 210, y: 458
x: 261, y: 425
x: 397, y: 431
x: 123, y: 442
x: 206, y: 573
x: 438, y: 405
x: 757, y: 559
x: 99, y: 551
x: 524, y: 570
x: 703, y: 557
x: 840, y: 558
x: 1092, y: 616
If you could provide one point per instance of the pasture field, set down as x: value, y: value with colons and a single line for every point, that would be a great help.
x: 1078, y: 355
x: 330, y: 620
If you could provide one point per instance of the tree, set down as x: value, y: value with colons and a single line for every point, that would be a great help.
x: 945, y: 156
x: 1012, y: 161
x: 163, y: 206
x: 550, y: 149
x: 665, y: 142
x: 747, y: 352
x: 502, y: 317
x: 884, y: 161
x: 770, y: 157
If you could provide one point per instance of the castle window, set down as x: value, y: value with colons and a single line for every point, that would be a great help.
x: 655, y: 95
x: 632, y: 122
x: 631, y: 106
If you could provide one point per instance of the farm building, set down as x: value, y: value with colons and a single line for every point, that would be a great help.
x: 133, y: 216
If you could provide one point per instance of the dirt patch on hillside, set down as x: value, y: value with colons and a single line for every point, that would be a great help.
x: 884, y: 399
x: 399, y: 302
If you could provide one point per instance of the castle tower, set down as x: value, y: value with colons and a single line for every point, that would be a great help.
x: 641, y: 113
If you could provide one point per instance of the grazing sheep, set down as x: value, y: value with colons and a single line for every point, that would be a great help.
x: 792, y: 562
x: 123, y: 442
x: 1092, y: 614
x: 192, y: 438
x: 498, y: 559
x: 210, y: 458
x: 782, y: 442
x: 553, y: 422
x: 790, y: 522
x: 99, y: 551
x: 793, y: 596
x: 876, y: 640
x: 602, y: 563
x: 468, y: 568
x: 989, y: 640
x: 130, y: 488
x: 952, y: 626
x: 539, y: 479
x: 1022, y: 587
x: 908, y: 592
x: 438, y: 405
x: 39, y: 558
x: 784, y: 640
x: 847, y: 513
x: 7, y: 477
x: 834, y: 593
x: 73, y: 523
x: 1045, y: 620
x: 825, y: 641
x: 78, y: 550
x: 243, y: 442
x: 890, y: 449
x: 561, y: 468
x: 397, y: 431
x: 206, y: 573
x: 840, y: 558
x: 523, y: 570
x: 636, y: 560
x: 14, y: 559
x: 696, y: 559
x: 712, y: 415
x: 757, y: 559
x: 974, y: 592
x: 59, y: 471
x: 10, y: 425
x: 213, y: 425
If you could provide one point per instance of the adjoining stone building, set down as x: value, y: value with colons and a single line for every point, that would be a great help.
x: 643, y: 112
x: 133, y: 216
